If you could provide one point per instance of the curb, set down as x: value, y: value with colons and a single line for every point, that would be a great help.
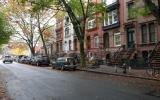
x: 115, y: 74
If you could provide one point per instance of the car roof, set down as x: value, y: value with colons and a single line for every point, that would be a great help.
x: 7, y: 56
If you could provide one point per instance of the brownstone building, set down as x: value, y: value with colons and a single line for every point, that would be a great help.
x: 59, y: 37
x: 113, y: 31
x: 144, y: 32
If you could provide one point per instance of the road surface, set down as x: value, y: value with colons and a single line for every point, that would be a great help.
x: 26, y: 82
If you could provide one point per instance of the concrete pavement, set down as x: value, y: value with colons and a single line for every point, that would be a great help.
x: 26, y: 82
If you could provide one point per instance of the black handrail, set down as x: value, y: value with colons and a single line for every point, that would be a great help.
x: 118, y: 52
x: 152, y: 52
x: 131, y: 47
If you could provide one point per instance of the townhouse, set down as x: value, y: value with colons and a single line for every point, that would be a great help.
x: 94, y: 35
x: 113, y: 32
x: 120, y: 28
x: 143, y: 31
x: 69, y: 40
x: 59, y: 37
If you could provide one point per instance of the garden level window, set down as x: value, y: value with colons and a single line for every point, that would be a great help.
x: 144, y: 33
x: 117, y: 39
x: 96, y: 42
x: 152, y: 33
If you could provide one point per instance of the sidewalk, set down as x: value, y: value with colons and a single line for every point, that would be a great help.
x: 111, y: 70
x: 3, y: 94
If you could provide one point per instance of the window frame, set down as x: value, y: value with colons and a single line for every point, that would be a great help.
x: 115, y: 42
x: 91, y: 23
x: 110, y: 20
x: 96, y: 41
x: 151, y: 33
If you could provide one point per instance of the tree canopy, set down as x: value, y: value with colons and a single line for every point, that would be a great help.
x: 5, y: 30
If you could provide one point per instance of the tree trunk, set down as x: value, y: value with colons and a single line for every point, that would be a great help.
x: 32, y: 49
x: 44, y: 45
x: 79, y: 31
x: 82, y: 54
x: 41, y: 35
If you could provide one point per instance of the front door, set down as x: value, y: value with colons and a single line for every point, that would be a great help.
x: 130, y: 37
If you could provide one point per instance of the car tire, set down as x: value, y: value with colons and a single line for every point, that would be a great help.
x: 4, y: 62
x: 74, y: 69
x: 53, y: 67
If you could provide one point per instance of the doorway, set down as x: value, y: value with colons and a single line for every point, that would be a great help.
x: 130, y: 37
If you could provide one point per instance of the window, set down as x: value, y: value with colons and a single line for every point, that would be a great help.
x: 96, y: 42
x: 152, y: 37
x: 112, y: 18
x: 144, y: 33
x: 131, y: 12
x: 88, y: 42
x: 109, y: 2
x: 117, y: 39
x: 75, y: 45
x: 60, y: 46
x: 66, y: 31
x: 67, y: 20
x: 70, y: 44
x: 148, y: 33
x: 115, y: 16
x: 91, y: 24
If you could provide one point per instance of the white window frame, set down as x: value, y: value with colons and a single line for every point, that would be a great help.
x: 91, y: 23
x: 111, y: 18
x: 109, y: 2
x: 115, y: 42
x: 96, y: 41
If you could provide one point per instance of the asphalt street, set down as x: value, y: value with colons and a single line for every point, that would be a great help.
x: 25, y: 82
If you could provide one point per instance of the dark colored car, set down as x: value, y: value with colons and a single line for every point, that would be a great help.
x: 33, y: 60
x: 53, y: 62
x: 8, y: 59
x: 65, y: 63
x: 43, y: 60
x: 26, y: 60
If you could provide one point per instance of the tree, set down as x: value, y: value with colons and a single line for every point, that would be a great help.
x: 78, y: 11
x: 5, y: 30
x: 21, y: 19
x: 45, y: 21
x: 30, y: 26
x: 151, y: 7
x: 154, y: 7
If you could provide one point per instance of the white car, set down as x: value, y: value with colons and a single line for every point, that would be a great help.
x: 8, y: 59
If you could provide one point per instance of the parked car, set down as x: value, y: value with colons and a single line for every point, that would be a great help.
x: 53, y: 62
x: 19, y: 58
x: 25, y: 60
x: 65, y: 63
x: 40, y: 60
x: 33, y: 60
x: 8, y: 59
